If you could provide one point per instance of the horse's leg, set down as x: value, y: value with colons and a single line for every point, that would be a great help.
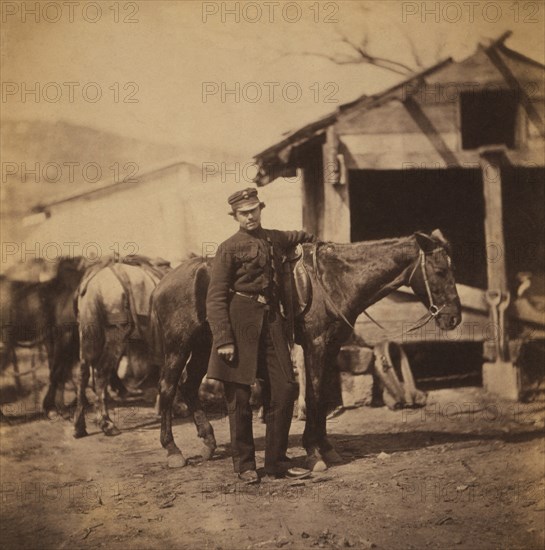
x: 180, y: 407
x: 79, y: 416
x: 298, y: 359
x: 117, y: 385
x: 71, y: 361
x: 315, y: 410
x: 170, y: 375
x: 60, y: 366
x: 329, y: 454
x: 59, y: 401
x: 196, y: 369
x: 16, y: 372
x: 48, y: 404
x: 114, y: 341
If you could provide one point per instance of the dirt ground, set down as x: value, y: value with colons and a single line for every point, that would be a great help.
x: 465, y: 472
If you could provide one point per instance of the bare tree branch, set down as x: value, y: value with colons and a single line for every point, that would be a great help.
x: 414, y: 51
x: 377, y: 62
x: 361, y: 54
x: 381, y: 62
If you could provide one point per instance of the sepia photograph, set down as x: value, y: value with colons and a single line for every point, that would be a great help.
x: 272, y: 274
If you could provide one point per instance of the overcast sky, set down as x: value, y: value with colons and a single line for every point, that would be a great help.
x: 173, y: 49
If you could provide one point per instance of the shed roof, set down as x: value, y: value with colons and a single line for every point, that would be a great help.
x: 272, y: 161
x: 102, y: 190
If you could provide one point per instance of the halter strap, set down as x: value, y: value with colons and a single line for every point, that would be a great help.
x: 421, y: 262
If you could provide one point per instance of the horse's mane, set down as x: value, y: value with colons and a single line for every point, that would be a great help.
x: 355, y: 250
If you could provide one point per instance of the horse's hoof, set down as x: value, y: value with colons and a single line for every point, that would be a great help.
x: 52, y: 415
x: 319, y: 466
x: 332, y: 457
x: 78, y: 434
x: 335, y: 412
x: 176, y: 460
x: 316, y: 464
x: 111, y: 431
x: 207, y: 452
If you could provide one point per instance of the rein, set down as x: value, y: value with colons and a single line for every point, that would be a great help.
x: 433, y: 310
x: 328, y: 298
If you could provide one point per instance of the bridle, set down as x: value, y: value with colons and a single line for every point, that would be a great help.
x: 432, y: 312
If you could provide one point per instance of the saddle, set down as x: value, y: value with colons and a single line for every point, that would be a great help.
x: 394, y: 372
x: 138, y: 302
x: 155, y: 267
x: 297, y: 288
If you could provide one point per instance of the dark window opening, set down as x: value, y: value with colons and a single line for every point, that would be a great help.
x: 393, y: 203
x: 489, y: 118
x: 523, y: 221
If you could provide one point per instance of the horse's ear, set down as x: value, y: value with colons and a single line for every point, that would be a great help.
x: 438, y: 234
x: 425, y: 242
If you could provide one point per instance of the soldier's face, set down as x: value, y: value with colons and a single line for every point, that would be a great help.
x: 249, y: 220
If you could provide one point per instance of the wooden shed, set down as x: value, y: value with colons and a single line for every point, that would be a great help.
x: 460, y: 147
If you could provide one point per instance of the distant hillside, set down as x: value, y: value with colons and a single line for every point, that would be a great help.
x: 69, y: 159
x: 60, y: 151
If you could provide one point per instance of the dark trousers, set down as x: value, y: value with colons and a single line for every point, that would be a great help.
x: 279, y: 392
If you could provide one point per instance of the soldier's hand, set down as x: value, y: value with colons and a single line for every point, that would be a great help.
x: 227, y: 352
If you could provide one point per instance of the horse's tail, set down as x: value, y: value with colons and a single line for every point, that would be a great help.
x: 91, y: 330
x: 155, y: 336
x: 200, y: 288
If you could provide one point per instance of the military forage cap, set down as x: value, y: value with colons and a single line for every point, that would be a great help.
x: 245, y: 200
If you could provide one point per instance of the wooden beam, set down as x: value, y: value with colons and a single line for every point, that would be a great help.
x: 501, y: 376
x: 425, y: 124
x: 313, y: 192
x: 336, y: 197
x: 514, y: 84
x: 491, y: 162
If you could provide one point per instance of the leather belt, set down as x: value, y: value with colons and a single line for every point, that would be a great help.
x: 256, y: 297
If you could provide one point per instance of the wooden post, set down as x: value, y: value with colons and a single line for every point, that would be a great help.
x: 500, y: 377
x: 313, y: 192
x: 336, y: 197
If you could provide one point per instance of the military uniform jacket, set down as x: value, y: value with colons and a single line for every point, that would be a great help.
x: 243, y: 263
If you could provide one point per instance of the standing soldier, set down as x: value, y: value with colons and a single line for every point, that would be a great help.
x: 250, y: 342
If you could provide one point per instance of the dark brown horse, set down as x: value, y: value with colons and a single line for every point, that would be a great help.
x: 346, y: 279
x: 24, y: 321
x: 37, y: 309
x: 181, y: 339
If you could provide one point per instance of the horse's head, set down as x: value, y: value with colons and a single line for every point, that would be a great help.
x: 70, y: 271
x: 160, y: 264
x: 432, y: 280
